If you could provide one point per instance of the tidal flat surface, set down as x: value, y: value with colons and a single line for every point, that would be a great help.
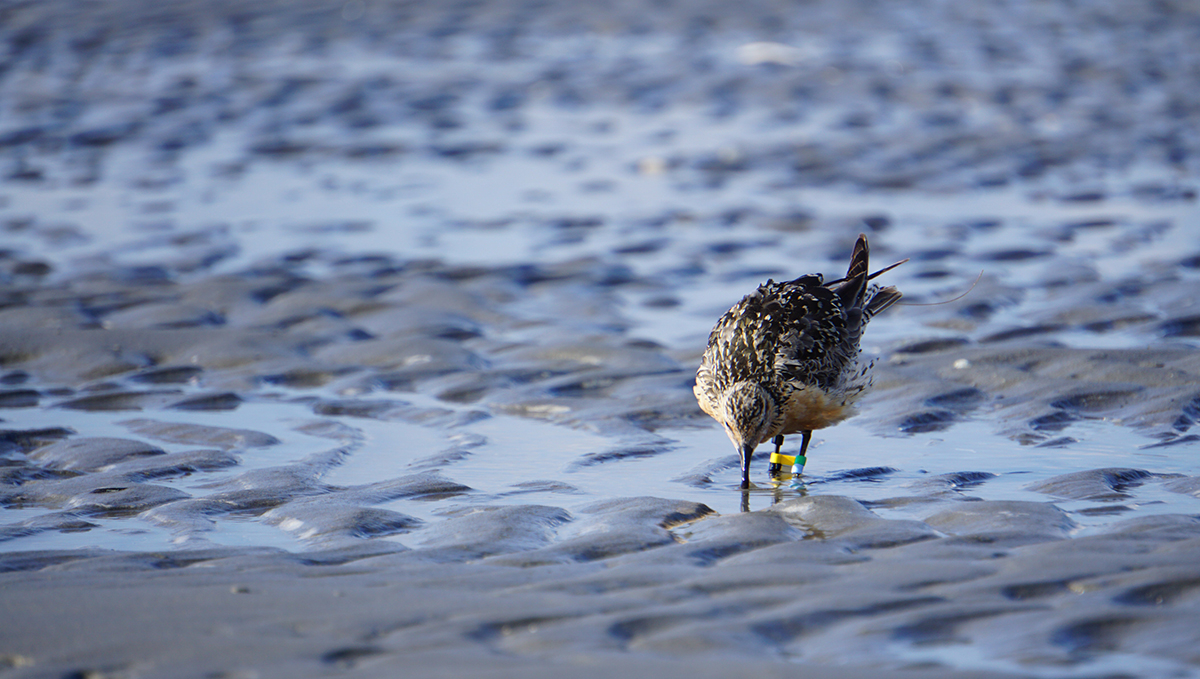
x: 399, y: 305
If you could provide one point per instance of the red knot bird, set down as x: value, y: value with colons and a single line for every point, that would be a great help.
x: 785, y: 359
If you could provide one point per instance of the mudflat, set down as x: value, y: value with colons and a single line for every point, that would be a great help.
x: 358, y: 337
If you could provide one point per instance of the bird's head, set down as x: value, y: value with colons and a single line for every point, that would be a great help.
x: 748, y: 412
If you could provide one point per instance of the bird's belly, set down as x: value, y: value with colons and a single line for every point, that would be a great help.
x: 809, y: 408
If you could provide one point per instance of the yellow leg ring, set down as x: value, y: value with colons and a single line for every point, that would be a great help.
x: 789, y: 460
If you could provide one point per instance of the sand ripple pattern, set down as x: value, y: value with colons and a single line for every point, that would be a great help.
x: 363, y: 333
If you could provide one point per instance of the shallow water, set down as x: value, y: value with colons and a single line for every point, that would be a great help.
x: 518, y: 451
x: 451, y: 285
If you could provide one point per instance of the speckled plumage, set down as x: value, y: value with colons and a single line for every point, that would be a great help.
x: 785, y: 359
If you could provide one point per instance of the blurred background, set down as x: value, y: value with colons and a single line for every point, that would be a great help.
x: 431, y: 279
x: 561, y: 198
x: 509, y: 131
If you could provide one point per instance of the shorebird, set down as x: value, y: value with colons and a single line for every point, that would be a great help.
x: 785, y: 359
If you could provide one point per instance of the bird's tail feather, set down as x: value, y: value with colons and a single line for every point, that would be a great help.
x: 881, y: 299
x: 855, y: 285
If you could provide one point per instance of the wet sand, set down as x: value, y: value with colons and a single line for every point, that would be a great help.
x: 360, y: 337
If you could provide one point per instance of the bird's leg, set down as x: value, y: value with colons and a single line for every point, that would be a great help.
x: 775, y: 466
x: 805, y: 436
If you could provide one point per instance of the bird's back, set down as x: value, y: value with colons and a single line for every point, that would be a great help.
x: 802, y: 332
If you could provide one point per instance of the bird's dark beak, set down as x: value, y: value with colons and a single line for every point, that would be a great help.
x: 747, y: 452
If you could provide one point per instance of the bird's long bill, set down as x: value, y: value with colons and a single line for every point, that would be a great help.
x: 747, y: 452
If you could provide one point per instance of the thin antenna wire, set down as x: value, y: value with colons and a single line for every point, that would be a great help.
x: 946, y: 301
